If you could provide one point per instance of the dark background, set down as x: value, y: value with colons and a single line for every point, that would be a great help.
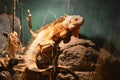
x: 102, y: 18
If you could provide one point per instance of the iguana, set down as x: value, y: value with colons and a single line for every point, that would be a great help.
x: 48, y: 35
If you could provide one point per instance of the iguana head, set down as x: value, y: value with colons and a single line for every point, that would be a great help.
x: 73, y: 23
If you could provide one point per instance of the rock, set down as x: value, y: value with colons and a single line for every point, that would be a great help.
x: 6, y: 26
x: 88, y: 60
x: 78, y: 54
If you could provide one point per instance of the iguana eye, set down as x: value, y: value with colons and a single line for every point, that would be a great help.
x: 18, y: 43
x: 74, y: 19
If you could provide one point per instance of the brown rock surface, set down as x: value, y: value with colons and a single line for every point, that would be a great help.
x: 6, y: 26
x: 78, y: 54
x: 88, y: 60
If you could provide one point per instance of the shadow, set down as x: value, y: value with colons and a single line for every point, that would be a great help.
x: 101, y: 43
x: 111, y: 70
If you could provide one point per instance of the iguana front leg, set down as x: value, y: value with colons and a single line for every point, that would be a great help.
x: 46, y: 45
